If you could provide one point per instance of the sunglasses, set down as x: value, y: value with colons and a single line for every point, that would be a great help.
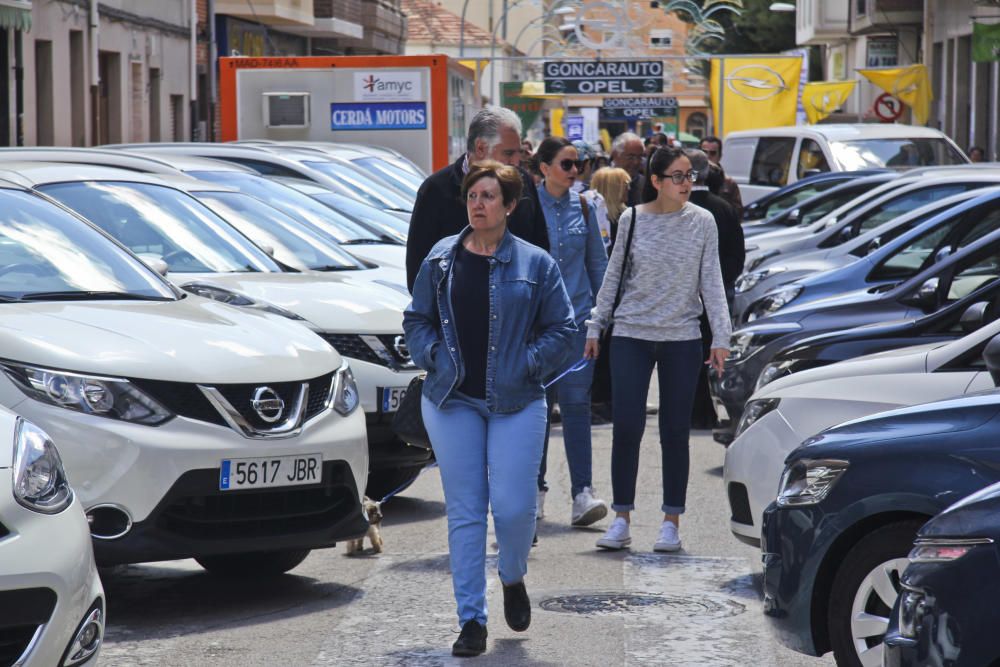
x: 567, y: 165
x: 679, y: 177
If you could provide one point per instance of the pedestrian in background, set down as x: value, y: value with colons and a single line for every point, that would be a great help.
x: 489, y: 320
x: 627, y: 154
x: 976, y: 154
x: 579, y: 252
x: 495, y: 133
x: 729, y: 190
x: 671, y: 269
x: 612, y: 184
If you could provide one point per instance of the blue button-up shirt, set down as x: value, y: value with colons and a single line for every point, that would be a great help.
x: 577, y: 247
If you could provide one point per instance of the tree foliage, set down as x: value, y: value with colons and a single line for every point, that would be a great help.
x: 757, y: 29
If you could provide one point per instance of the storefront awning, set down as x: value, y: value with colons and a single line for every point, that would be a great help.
x: 15, y: 14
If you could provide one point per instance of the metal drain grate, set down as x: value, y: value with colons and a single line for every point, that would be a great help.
x: 616, y: 603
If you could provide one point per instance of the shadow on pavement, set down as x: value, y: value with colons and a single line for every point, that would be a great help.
x: 715, y: 472
x: 402, y: 510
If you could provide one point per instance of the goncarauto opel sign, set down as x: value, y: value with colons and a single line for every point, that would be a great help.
x: 605, y: 77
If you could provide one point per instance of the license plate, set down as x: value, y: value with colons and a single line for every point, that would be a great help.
x: 391, y: 398
x: 270, y: 471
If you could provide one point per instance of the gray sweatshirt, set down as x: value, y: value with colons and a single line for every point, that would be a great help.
x: 672, y: 271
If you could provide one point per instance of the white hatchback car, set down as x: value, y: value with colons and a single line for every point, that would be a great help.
x: 52, y: 611
x: 784, y: 413
x: 189, y: 428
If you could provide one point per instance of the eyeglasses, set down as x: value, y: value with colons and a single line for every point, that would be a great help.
x: 679, y: 177
x: 567, y: 165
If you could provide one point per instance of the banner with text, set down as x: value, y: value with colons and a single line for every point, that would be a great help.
x: 638, y: 107
x: 598, y: 78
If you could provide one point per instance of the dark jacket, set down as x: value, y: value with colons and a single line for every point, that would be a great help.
x: 732, y: 252
x: 439, y: 212
x: 531, y: 324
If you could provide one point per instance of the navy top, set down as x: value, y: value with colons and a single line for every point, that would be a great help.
x: 470, y: 297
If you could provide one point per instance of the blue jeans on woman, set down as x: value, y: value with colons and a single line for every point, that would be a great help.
x: 678, y: 365
x: 573, y: 395
x: 487, y: 459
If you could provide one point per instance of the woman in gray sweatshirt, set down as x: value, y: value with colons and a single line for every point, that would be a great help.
x: 670, y: 274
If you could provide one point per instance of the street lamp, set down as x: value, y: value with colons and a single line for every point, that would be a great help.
x: 782, y: 7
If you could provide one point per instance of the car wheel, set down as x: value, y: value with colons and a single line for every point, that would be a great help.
x: 384, y: 482
x: 256, y: 563
x: 864, y: 590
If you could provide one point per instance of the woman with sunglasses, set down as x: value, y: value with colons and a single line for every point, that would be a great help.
x: 575, y: 243
x: 668, y: 259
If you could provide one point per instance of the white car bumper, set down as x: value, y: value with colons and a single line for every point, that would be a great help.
x: 752, y: 472
x: 45, y: 559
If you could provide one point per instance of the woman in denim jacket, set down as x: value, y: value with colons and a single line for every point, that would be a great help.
x: 490, y: 318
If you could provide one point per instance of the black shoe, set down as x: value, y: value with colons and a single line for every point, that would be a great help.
x: 517, y: 607
x: 534, y: 540
x: 471, y: 642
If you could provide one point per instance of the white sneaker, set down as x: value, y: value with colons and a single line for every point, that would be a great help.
x: 669, y: 540
x: 617, y: 536
x: 540, y: 505
x: 587, y: 509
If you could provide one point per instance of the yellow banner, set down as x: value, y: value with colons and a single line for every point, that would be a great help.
x: 556, y: 123
x: 910, y: 84
x: 754, y: 92
x: 822, y: 98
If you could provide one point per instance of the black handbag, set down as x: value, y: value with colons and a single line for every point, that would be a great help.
x: 408, y: 421
x: 600, y: 390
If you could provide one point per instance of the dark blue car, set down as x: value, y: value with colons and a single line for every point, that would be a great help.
x: 787, y: 197
x: 850, y: 503
x: 947, y: 611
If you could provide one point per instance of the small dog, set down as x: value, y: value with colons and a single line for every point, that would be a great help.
x: 374, y: 512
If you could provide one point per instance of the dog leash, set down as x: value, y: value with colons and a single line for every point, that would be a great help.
x: 578, y: 366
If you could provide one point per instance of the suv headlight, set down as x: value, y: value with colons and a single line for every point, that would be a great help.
x: 345, y: 391
x: 115, y: 398
x: 224, y: 295
x: 748, y: 281
x: 807, y: 481
x: 40, y: 482
x: 773, y: 302
x: 938, y: 550
x: 775, y: 370
x: 753, y: 411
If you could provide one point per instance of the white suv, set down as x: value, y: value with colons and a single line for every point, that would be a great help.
x: 51, y: 600
x: 189, y: 428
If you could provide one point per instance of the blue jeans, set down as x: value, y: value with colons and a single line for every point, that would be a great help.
x: 487, y: 459
x: 678, y: 364
x: 573, y: 394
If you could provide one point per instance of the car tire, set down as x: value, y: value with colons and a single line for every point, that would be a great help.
x: 384, y: 482
x: 256, y: 563
x: 858, y: 611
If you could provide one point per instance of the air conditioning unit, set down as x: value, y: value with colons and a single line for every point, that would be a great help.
x: 286, y: 110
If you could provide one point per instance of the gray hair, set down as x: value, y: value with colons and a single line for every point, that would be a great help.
x: 487, y: 125
x: 699, y: 164
x: 618, y: 145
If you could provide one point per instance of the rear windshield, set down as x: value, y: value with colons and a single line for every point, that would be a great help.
x: 895, y: 153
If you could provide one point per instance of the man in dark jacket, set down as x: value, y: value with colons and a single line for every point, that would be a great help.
x: 731, y: 257
x: 495, y: 133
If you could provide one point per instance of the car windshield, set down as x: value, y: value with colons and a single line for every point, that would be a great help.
x: 356, y: 180
x: 398, y: 177
x: 291, y: 202
x: 158, y: 220
x: 292, y: 242
x: 898, y: 153
x: 385, y: 224
x: 49, y: 254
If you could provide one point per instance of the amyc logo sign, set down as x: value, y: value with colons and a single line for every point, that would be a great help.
x: 391, y: 86
x: 755, y: 82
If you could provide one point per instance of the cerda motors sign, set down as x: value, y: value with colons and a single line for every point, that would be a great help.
x: 639, y: 107
x: 604, y: 77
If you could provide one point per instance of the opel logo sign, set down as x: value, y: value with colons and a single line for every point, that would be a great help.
x: 755, y: 82
x: 827, y: 102
x: 399, y: 344
x: 609, y: 20
x: 267, y: 404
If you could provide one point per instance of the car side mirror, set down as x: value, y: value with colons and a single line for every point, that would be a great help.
x: 875, y: 244
x: 925, y: 297
x: 991, y: 355
x: 267, y: 248
x: 794, y: 215
x: 845, y: 234
x: 154, y: 262
x: 974, y: 317
x: 752, y: 212
x: 942, y: 253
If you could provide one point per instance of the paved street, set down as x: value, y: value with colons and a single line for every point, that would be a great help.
x: 590, y: 608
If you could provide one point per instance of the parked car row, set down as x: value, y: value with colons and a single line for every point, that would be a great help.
x: 216, y: 353
x: 859, y: 407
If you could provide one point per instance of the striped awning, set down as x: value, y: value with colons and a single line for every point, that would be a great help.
x: 15, y: 14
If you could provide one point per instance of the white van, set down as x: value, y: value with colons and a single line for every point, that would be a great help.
x: 761, y: 161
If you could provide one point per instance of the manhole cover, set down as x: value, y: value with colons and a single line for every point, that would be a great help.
x: 616, y: 603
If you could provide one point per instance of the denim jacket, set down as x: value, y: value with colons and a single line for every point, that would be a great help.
x: 531, y: 324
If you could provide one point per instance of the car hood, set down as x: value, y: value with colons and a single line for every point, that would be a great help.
x: 383, y: 254
x: 795, y: 313
x: 8, y: 421
x: 927, y: 419
x: 777, y: 239
x: 976, y: 515
x: 904, y: 360
x: 332, y: 302
x: 190, y: 340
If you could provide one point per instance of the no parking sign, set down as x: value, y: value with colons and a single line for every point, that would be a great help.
x: 888, y: 108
